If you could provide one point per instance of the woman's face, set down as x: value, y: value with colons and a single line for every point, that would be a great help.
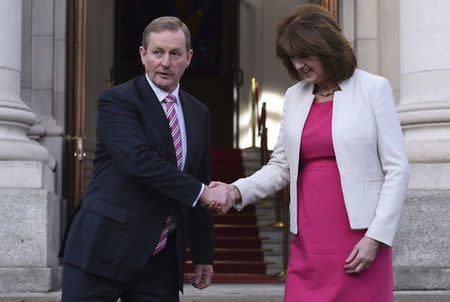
x: 310, y: 68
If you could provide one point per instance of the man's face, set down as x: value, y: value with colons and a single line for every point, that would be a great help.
x: 166, y: 58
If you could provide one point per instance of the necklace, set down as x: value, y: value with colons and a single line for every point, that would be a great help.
x: 329, y: 92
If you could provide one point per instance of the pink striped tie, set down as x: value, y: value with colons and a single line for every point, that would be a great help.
x: 177, y: 143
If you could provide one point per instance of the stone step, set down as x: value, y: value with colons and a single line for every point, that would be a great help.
x: 251, y: 154
x: 240, y: 278
x: 235, y: 219
x: 235, y: 292
x: 274, y: 269
x: 274, y: 259
x: 251, y: 168
x: 271, y: 237
x: 268, y: 204
x: 238, y: 242
x: 270, y: 229
x: 272, y: 249
x: 264, y: 221
x: 266, y: 214
x: 230, y: 267
x: 234, y: 254
x: 224, y: 230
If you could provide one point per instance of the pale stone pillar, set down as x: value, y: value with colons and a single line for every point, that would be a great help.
x: 424, y: 87
x: 29, y: 210
x: 367, y: 42
x: 422, y: 253
x: 15, y: 117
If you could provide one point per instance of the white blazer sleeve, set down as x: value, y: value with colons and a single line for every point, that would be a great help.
x: 394, y: 161
x: 270, y: 178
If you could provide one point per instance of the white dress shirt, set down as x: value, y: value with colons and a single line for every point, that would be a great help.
x: 161, y: 94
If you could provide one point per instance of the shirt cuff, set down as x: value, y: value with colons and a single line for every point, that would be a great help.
x: 199, y: 194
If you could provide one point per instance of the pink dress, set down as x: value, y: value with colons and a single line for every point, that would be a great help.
x: 317, y: 255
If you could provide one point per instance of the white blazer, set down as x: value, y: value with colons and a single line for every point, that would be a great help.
x: 369, y: 148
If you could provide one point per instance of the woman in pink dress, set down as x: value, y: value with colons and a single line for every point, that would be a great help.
x: 341, y: 149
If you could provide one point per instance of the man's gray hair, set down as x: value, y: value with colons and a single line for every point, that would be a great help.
x: 166, y: 23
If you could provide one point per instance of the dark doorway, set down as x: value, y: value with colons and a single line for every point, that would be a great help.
x: 213, y: 26
x: 104, y: 37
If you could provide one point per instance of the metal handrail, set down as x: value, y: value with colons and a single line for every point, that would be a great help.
x: 255, y: 113
x: 282, y: 196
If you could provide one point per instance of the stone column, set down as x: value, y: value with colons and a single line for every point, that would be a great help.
x: 425, y: 98
x: 15, y: 117
x: 422, y: 255
x: 29, y: 232
x: 367, y: 42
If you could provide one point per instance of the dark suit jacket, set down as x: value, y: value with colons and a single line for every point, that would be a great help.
x: 136, y: 185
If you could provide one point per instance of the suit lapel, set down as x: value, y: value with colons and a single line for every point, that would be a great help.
x: 154, y: 110
x: 189, y: 123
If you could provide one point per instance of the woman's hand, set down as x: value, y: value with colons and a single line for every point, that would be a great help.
x: 234, y: 191
x: 362, y: 255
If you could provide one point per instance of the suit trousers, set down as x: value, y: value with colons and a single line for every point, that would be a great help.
x: 158, y: 283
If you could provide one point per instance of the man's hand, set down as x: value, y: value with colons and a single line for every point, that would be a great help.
x: 234, y: 191
x: 362, y: 255
x: 203, y: 275
x: 218, y: 198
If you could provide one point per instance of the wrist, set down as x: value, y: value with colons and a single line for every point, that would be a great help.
x: 203, y: 198
x: 373, y: 242
x: 236, y: 192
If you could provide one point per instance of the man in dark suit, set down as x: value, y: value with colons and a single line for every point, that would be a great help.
x: 149, y: 185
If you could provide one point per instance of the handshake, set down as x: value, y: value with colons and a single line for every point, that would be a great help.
x: 220, y: 197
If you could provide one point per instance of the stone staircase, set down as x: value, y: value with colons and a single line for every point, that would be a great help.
x: 271, y: 237
x: 240, y: 254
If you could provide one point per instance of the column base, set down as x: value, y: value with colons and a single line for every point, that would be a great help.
x: 421, y: 251
x: 26, y: 175
x: 421, y: 278
x: 30, y: 224
x: 30, y: 279
x: 430, y: 176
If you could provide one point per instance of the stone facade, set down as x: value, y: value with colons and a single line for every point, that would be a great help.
x: 422, y: 246
x: 30, y: 144
x: 406, y: 41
